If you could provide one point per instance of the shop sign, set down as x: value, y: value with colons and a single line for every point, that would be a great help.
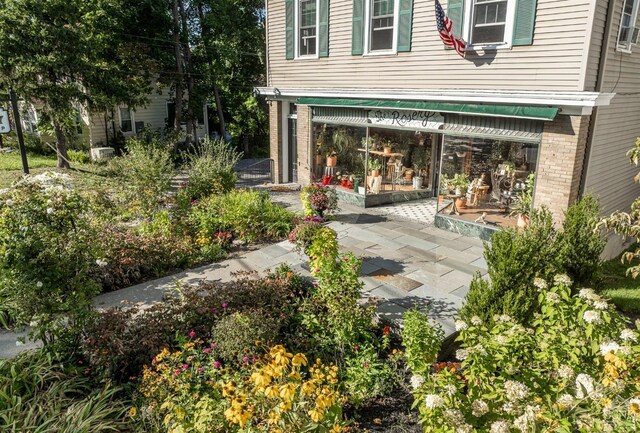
x: 411, y: 119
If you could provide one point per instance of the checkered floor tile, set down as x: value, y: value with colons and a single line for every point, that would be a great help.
x: 421, y: 210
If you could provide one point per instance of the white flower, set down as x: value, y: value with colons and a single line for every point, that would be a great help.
x: 501, y: 339
x: 433, y: 401
x: 628, y: 335
x: 591, y: 316
x: 552, y: 297
x: 500, y: 427
x: 450, y: 389
x: 454, y: 417
x: 634, y: 406
x: 523, y: 422
x: 462, y: 354
x: 587, y: 294
x: 416, y: 381
x: 585, y: 385
x: 479, y: 408
x: 565, y: 372
x: 539, y: 283
x: 565, y: 401
x: 50, y: 210
x: 510, y: 408
x: 464, y: 428
x: 515, y: 391
x: 9, y: 202
x: 476, y: 321
x: 563, y: 279
x: 39, y: 284
x: 609, y: 346
x: 626, y: 350
x: 501, y: 318
x: 101, y: 262
x: 461, y: 325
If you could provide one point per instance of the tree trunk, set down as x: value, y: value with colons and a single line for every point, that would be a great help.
x: 190, y: 84
x: 179, y: 71
x: 61, y: 145
x: 223, y: 131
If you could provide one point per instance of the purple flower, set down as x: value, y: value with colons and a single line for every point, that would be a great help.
x: 217, y: 364
x: 245, y: 359
x: 192, y: 334
x: 254, y: 360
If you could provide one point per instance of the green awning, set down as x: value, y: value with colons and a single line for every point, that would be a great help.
x: 517, y: 111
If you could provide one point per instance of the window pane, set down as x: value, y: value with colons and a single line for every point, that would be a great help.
x: 489, y: 19
x: 382, y: 22
x: 307, y: 32
x: 488, y: 34
x: 382, y: 7
x: 125, y: 119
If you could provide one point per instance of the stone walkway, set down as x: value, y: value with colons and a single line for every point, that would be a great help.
x: 407, y: 262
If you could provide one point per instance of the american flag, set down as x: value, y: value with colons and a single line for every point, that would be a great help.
x: 444, y: 28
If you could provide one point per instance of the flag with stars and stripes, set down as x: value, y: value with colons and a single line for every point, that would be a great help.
x: 444, y: 28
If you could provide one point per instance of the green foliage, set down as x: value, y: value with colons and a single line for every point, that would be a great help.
x: 575, y: 369
x: 580, y: 244
x: 514, y: 259
x: 45, y: 394
x: 421, y: 341
x: 318, y: 199
x: 247, y: 215
x: 211, y: 169
x: 460, y: 181
x: 147, y: 172
x: 45, y: 242
x: 238, y: 336
x: 79, y: 156
x: 304, y: 232
x: 523, y: 202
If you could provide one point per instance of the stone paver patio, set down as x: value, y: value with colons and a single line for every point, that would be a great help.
x: 406, y: 263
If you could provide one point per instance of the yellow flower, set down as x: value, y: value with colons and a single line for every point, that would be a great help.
x: 634, y: 407
x: 261, y: 379
x: 271, y: 391
x: 274, y: 417
x: 307, y: 388
x: 299, y: 359
x: 605, y: 402
x: 132, y: 411
x: 295, y: 375
x: 228, y: 389
x: 285, y: 406
x: 316, y: 414
x: 336, y: 429
x: 288, y: 391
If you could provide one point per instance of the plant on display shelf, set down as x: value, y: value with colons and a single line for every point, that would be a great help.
x: 460, y: 182
x: 574, y: 368
x: 523, y: 202
x: 374, y: 165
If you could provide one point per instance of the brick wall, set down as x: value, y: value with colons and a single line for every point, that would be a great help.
x: 275, y: 138
x: 304, y: 140
x: 560, y: 163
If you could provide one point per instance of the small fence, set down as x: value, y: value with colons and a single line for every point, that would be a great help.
x: 253, y: 172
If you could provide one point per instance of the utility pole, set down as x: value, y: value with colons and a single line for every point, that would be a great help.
x: 16, y: 120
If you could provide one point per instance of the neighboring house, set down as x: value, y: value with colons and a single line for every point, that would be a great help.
x: 548, y: 88
x: 95, y: 129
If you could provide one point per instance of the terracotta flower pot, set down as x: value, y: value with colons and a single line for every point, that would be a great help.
x: 332, y: 161
x: 461, y: 203
x: 387, y: 150
x: 375, y: 173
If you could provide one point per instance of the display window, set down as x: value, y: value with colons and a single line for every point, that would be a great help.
x: 487, y: 181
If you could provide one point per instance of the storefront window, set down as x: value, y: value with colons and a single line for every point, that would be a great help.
x: 483, y: 180
x: 378, y: 160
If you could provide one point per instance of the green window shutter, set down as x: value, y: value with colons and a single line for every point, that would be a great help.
x: 323, y: 31
x: 455, y: 12
x: 405, y: 20
x: 289, y: 30
x: 357, y: 37
x: 524, y: 22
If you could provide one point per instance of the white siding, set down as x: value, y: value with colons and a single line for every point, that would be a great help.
x: 553, y: 62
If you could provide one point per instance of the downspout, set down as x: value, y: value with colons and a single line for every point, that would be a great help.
x: 602, y: 64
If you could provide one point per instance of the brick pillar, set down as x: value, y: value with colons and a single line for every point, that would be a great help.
x: 560, y: 164
x: 304, y: 133
x: 275, y: 138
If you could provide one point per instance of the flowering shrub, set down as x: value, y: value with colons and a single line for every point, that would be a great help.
x: 575, y: 369
x: 421, y: 342
x: 189, y: 390
x: 305, y: 232
x: 318, y: 199
x: 45, y: 244
x: 211, y: 169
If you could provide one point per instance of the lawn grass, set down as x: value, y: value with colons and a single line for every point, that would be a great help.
x: 11, y: 161
x: 622, y: 289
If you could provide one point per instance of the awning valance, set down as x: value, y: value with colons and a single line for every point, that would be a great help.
x: 515, y: 111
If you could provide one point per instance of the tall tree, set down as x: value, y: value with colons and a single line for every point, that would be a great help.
x: 62, y: 54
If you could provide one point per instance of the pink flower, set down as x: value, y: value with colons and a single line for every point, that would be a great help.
x: 224, y: 305
x: 207, y: 350
x: 317, y: 269
x: 356, y: 348
x: 217, y: 364
x: 254, y: 360
x: 200, y: 369
x: 366, y: 365
x: 315, y: 284
x: 176, y: 372
x: 245, y: 359
x: 192, y: 334
x: 185, y: 366
x: 214, y: 345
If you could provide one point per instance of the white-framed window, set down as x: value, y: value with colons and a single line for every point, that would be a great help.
x: 489, y: 23
x: 629, y: 33
x: 381, y: 22
x: 126, y: 119
x: 306, y: 28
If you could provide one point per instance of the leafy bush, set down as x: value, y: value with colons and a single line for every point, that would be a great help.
x: 45, y: 243
x: 575, y: 369
x: 211, y: 169
x: 189, y: 390
x: 580, y: 244
x: 248, y: 215
x: 318, y: 199
x: 305, y: 232
x: 47, y: 395
x: 147, y: 172
x: 421, y: 341
x: 238, y: 336
x: 78, y: 156
x: 514, y: 258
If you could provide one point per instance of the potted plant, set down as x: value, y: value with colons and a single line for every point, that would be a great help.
x: 523, y: 203
x: 374, y: 166
x: 387, y: 148
x: 321, y: 141
x: 460, y: 183
x: 332, y: 159
x: 445, y: 187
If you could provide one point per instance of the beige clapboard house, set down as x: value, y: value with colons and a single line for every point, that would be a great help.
x: 548, y: 90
